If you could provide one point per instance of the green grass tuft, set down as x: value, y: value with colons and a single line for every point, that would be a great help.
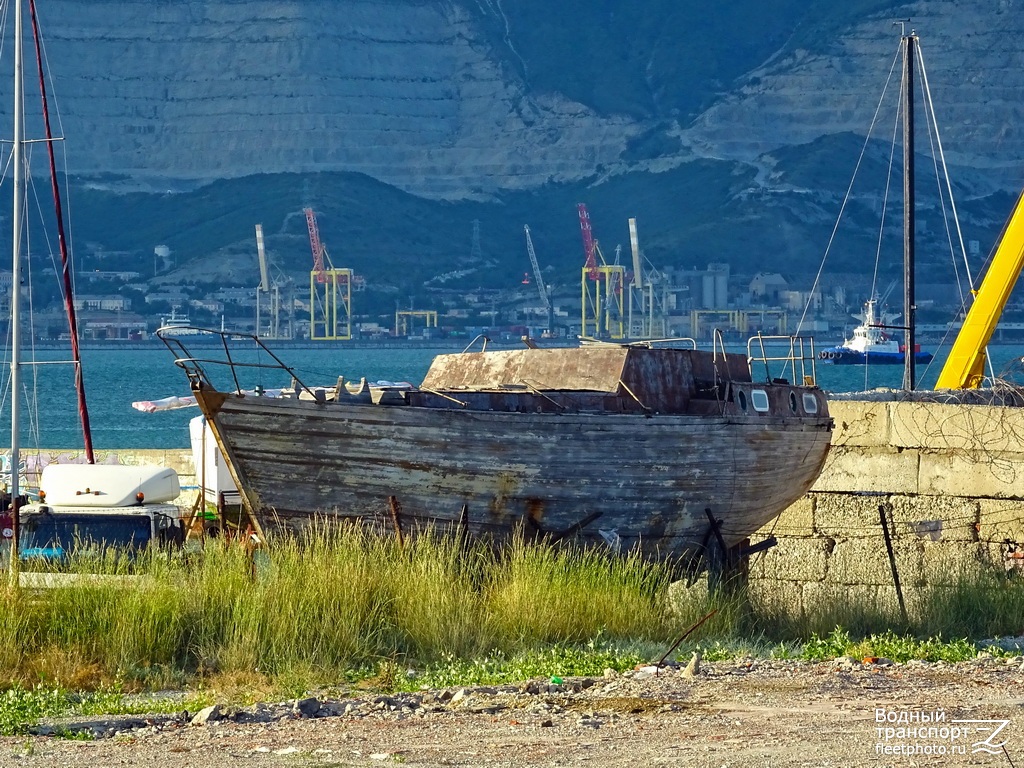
x: 340, y: 607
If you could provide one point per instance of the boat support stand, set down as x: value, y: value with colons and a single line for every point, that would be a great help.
x: 555, y: 536
x: 728, y: 567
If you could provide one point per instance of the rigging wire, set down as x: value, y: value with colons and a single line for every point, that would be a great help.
x: 943, y: 182
x: 964, y: 303
x: 881, y: 223
x: 934, y: 123
x: 941, y: 194
x: 846, y: 198
x: 893, y: 144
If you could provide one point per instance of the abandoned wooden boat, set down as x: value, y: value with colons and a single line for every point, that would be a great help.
x: 627, y: 446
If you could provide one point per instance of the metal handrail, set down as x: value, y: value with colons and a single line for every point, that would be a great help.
x: 800, y: 350
x: 194, y: 366
x: 483, y: 346
x: 642, y: 343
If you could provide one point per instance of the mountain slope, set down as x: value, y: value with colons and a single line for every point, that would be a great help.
x: 730, y: 135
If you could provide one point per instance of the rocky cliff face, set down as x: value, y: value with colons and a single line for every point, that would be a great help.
x: 972, y: 58
x: 433, y: 98
x: 405, y: 91
x: 701, y: 126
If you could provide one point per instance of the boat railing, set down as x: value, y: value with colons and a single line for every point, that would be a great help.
x: 224, y: 351
x: 796, y: 353
x: 482, y: 338
x: 682, y: 342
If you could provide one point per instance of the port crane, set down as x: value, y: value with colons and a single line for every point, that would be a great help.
x: 601, y: 287
x: 274, y: 298
x: 646, y: 308
x: 545, y: 291
x: 965, y: 366
x: 330, y: 291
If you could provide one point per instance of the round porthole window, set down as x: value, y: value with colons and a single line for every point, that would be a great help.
x: 741, y: 398
x: 792, y: 401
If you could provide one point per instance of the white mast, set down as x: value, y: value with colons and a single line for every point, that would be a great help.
x: 19, y: 120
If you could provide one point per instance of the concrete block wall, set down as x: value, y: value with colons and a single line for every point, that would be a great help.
x: 951, y: 477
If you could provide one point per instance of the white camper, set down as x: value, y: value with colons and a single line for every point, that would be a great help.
x: 96, y: 506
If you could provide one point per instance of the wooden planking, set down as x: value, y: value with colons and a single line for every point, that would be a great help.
x: 643, y: 473
x: 385, y: 452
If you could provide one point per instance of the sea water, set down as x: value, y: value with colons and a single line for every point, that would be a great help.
x: 117, y: 377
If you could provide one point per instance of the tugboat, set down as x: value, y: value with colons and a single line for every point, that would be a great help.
x: 872, y: 342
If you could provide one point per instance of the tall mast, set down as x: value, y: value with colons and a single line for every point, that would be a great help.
x: 69, y: 302
x: 909, y: 306
x: 19, y: 120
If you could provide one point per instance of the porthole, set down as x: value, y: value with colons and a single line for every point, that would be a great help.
x: 810, y: 403
x: 759, y: 399
x: 792, y: 401
x: 741, y: 398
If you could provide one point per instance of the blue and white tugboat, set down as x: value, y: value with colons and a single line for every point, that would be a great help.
x: 872, y: 342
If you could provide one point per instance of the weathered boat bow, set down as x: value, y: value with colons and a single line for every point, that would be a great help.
x: 624, y: 446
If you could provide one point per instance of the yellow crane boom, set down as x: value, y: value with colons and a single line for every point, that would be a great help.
x: 965, y: 366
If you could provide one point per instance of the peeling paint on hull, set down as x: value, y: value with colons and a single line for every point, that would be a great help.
x: 649, y: 477
x: 608, y: 444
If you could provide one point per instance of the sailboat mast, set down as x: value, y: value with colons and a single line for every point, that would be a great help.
x: 18, y: 161
x: 909, y: 306
x: 69, y: 303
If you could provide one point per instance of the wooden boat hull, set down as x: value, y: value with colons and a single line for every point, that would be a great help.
x: 621, y: 480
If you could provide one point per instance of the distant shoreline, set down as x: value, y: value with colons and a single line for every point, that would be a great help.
x: 195, y: 341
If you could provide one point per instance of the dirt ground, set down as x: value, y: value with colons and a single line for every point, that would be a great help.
x: 747, y: 713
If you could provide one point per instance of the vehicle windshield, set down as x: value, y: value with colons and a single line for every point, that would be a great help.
x: 53, y: 537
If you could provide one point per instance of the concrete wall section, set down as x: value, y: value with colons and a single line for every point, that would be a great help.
x: 950, y: 478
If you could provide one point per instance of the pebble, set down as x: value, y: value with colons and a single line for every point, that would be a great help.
x: 552, y: 703
x: 693, y: 668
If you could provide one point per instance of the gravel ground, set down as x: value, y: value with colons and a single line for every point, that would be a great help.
x: 751, y: 713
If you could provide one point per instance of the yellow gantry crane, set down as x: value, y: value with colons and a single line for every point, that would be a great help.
x: 330, y: 292
x: 965, y: 366
x: 601, y: 288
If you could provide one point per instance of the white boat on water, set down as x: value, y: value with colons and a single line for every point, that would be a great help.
x: 177, y: 325
x: 873, y: 341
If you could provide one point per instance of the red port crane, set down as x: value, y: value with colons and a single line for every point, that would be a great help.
x: 589, y: 246
x: 316, y: 246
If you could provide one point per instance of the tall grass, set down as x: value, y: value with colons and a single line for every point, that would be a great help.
x: 983, y: 603
x: 338, y: 603
x: 331, y: 601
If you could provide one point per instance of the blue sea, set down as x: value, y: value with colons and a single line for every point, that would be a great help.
x: 117, y: 377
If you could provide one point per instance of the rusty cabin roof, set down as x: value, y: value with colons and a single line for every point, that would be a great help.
x: 659, y: 377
